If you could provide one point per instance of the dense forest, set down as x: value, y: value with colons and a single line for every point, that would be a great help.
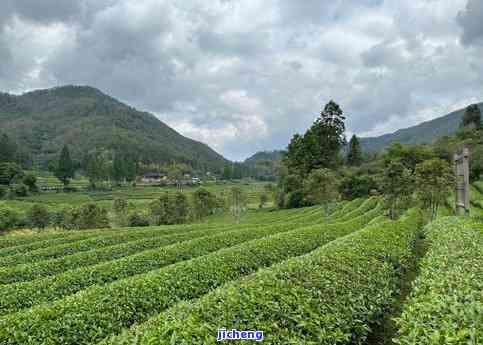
x: 90, y: 122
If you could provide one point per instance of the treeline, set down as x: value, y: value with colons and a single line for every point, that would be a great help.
x: 14, y: 182
x: 170, y: 208
x: 315, y: 170
x: 263, y: 170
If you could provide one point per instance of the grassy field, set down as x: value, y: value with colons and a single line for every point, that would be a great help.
x: 138, y: 197
x: 297, y: 275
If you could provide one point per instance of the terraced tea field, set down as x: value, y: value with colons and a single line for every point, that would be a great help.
x: 296, y: 275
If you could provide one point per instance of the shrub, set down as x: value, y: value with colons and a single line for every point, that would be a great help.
x: 329, y: 296
x: 445, y: 306
x: 120, y: 209
x: 3, y: 191
x: 19, y: 189
x: 295, y: 199
x: 88, y: 216
x: 31, y: 182
x: 63, y: 321
x: 137, y: 219
x: 38, y: 216
x: 9, y: 219
x: 203, y: 203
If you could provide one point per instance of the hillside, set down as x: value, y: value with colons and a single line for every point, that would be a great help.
x: 86, y: 119
x: 425, y: 132
x: 275, y: 155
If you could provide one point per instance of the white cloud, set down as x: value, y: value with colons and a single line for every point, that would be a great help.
x: 245, y: 75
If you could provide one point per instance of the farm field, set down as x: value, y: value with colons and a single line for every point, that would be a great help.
x: 297, y: 275
x: 138, y: 197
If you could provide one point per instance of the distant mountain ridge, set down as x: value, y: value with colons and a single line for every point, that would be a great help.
x: 86, y: 119
x: 426, y: 132
x: 274, y: 155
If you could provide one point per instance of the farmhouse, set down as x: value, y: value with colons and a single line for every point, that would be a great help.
x: 154, y: 177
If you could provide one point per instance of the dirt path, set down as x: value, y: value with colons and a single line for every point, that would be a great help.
x: 383, y: 333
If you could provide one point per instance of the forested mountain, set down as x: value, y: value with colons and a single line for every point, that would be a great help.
x: 426, y: 132
x: 275, y: 155
x: 86, y: 119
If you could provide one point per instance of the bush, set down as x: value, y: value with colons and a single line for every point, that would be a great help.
x: 357, y: 186
x: 138, y: 257
x: 329, y: 296
x: 204, y: 203
x: 88, y: 216
x: 9, y: 219
x: 31, y: 182
x: 296, y: 199
x: 137, y: 219
x: 445, y: 306
x: 38, y: 216
x: 3, y: 191
x: 19, y: 190
x: 64, y: 322
x: 120, y: 209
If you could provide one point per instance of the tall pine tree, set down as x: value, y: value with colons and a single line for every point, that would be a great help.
x: 328, y: 133
x: 65, y: 167
x: 354, y: 157
x: 472, y: 117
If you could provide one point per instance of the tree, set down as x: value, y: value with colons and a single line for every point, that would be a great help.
x: 176, y: 172
x: 96, y: 168
x: 320, y: 146
x: 227, y: 172
x: 88, y: 216
x: 398, y: 185
x: 180, y: 208
x: 8, y: 149
x: 263, y: 200
x: 38, y: 216
x: 65, y: 168
x: 118, y: 173
x: 322, y: 188
x: 203, y: 203
x: 159, y: 210
x: 434, y: 183
x: 328, y: 131
x: 408, y: 155
x: 10, y: 172
x: 356, y: 185
x: 238, y: 200
x: 30, y: 180
x: 472, y: 117
x: 354, y: 157
x: 120, y: 210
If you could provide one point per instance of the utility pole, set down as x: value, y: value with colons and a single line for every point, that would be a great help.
x: 462, y: 173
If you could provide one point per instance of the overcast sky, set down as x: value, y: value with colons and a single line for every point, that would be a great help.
x: 245, y: 75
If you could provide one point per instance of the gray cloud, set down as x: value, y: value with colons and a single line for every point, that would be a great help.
x: 245, y: 75
x: 471, y: 21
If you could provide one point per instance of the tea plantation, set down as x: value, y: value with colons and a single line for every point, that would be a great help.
x: 298, y: 275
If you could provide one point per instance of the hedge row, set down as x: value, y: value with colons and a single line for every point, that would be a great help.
x: 330, y: 296
x: 446, y: 304
x: 14, y: 297
x: 348, y: 207
x: 18, y: 240
x: 27, y: 272
x: 366, y: 205
x: 45, y: 241
x: 56, y: 251
x: 99, y: 311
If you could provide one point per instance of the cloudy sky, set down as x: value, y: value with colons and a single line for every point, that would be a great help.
x: 245, y: 75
